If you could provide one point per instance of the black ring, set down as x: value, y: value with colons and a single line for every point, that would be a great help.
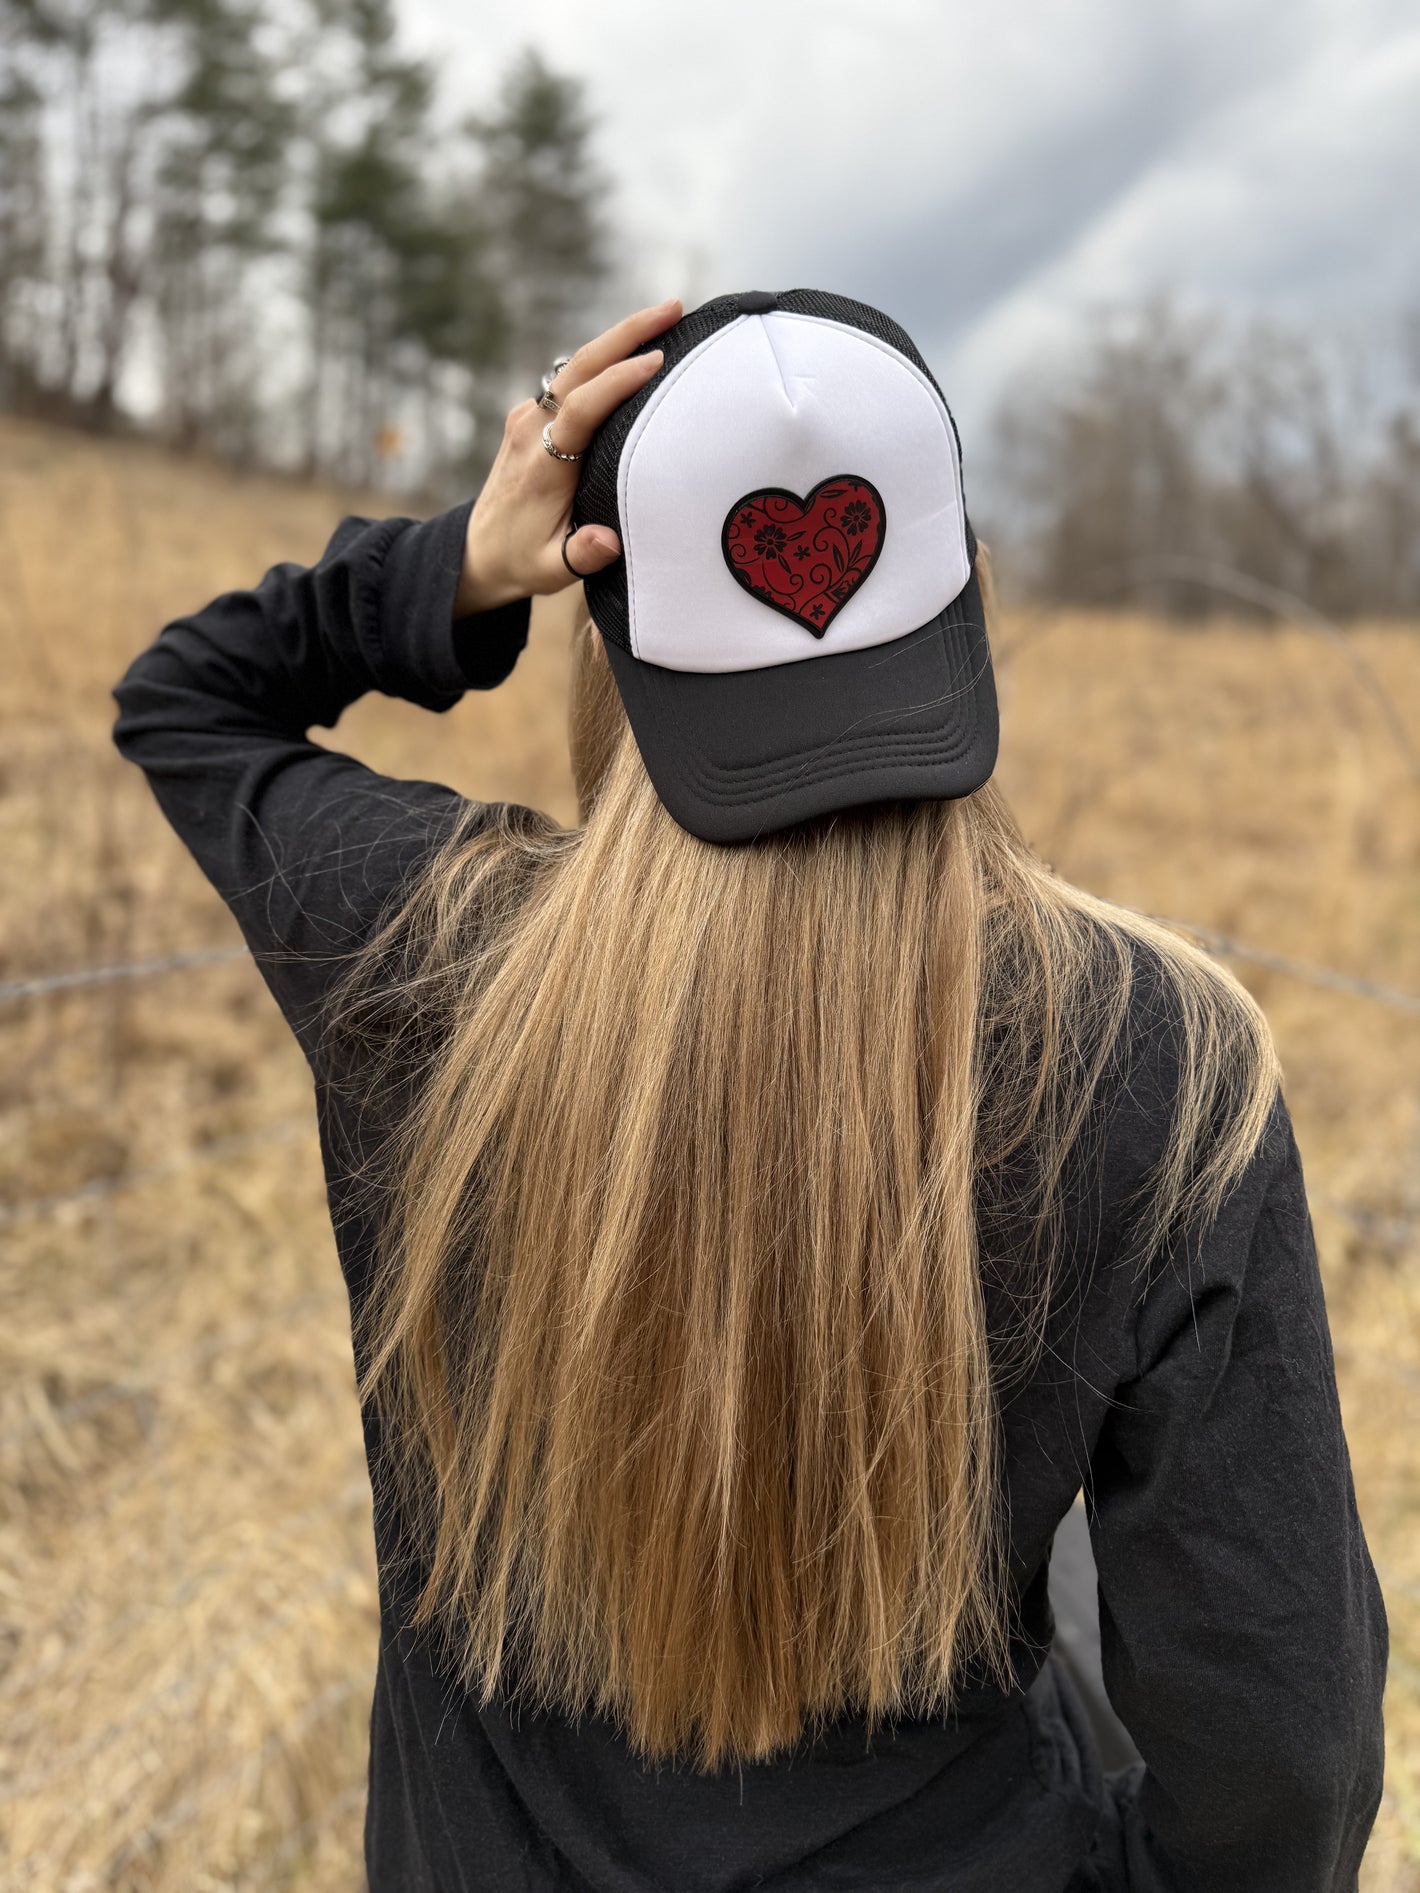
x: 565, y: 560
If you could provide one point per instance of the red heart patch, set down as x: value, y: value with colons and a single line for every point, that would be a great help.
x: 806, y: 557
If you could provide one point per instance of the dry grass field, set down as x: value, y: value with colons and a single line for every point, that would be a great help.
x: 187, y: 1618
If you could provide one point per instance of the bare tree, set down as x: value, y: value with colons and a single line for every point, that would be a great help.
x: 22, y: 241
x: 1176, y: 454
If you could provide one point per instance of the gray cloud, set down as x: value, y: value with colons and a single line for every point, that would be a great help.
x: 984, y: 228
x: 988, y: 174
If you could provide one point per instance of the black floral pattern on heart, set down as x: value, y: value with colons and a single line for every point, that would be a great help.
x: 806, y: 557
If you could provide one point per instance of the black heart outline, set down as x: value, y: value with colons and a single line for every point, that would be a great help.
x: 782, y: 492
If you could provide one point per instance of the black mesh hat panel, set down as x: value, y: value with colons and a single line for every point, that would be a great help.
x: 596, y: 490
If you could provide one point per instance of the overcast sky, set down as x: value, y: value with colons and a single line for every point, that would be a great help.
x: 989, y: 172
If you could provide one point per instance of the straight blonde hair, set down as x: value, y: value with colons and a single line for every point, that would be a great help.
x: 679, y: 1341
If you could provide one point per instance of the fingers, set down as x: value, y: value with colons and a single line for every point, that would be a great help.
x: 515, y: 544
x: 587, y: 407
x: 590, y: 549
x: 614, y: 345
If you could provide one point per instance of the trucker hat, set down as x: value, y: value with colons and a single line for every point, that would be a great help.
x: 795, y: 624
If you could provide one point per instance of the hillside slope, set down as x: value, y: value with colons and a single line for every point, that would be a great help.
x: 187, y: 1619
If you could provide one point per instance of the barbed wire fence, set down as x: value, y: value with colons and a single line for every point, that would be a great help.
x: 1395, y: 1230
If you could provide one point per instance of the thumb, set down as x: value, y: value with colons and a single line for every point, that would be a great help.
x: 591, y: 549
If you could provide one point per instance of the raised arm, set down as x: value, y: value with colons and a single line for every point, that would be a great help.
x: 304, y: 844
x: 1242, y: 1629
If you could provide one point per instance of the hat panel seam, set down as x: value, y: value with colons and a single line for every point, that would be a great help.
x: 874, y: 322
x: 919, y: 378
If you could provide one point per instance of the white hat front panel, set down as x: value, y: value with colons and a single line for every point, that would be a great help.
x: 740, y: 474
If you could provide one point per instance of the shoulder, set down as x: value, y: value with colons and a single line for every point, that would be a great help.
x: 1192, y: 1101
x: 1197, y: 1155
x: 350, y: 887
x: 350, y: 849
x: 440, y: 883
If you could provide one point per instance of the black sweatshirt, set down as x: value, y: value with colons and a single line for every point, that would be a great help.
x: 1243, y: 1634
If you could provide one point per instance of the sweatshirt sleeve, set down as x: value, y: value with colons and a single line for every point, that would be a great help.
x: 1243, y: 1634
x: 304, y: 844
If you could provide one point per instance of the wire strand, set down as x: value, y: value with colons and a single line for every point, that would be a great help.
x: 1223, y: 944
x: 221, y: 1150
x: 41, y: 985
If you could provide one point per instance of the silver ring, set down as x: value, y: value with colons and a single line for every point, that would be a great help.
x: 554, y: 371
x: 547, y: 399
x: 556, y: 452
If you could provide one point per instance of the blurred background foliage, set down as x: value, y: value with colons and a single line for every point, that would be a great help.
x: 259, y: 228
x: 1182, y: 455
x: 254, y: 228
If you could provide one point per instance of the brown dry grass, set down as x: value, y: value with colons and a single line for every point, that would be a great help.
x: 187, y: 1620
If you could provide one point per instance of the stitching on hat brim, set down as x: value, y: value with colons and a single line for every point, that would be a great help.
x: 843, y: 756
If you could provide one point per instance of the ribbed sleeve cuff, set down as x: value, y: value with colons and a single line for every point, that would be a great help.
x: 489, y: 644
x: 436, y: 657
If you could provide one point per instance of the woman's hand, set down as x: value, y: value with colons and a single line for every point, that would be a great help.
x: 515, y: 532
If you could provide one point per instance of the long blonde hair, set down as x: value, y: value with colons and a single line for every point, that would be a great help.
x: 679, y: 1340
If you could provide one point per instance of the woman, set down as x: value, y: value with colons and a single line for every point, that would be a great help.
x: 766, y: 1206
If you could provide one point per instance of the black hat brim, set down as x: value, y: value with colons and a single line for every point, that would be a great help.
x: 736, y: 755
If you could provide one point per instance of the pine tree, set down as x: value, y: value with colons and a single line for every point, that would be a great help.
x: 367, y: 213
x: 543, y: 200
x: 218, y: 192
x: 179, y: 179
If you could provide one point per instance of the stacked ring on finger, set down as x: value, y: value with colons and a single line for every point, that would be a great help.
x: 548, y: 399
x: 570, y: 532
x: 556, y: 452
